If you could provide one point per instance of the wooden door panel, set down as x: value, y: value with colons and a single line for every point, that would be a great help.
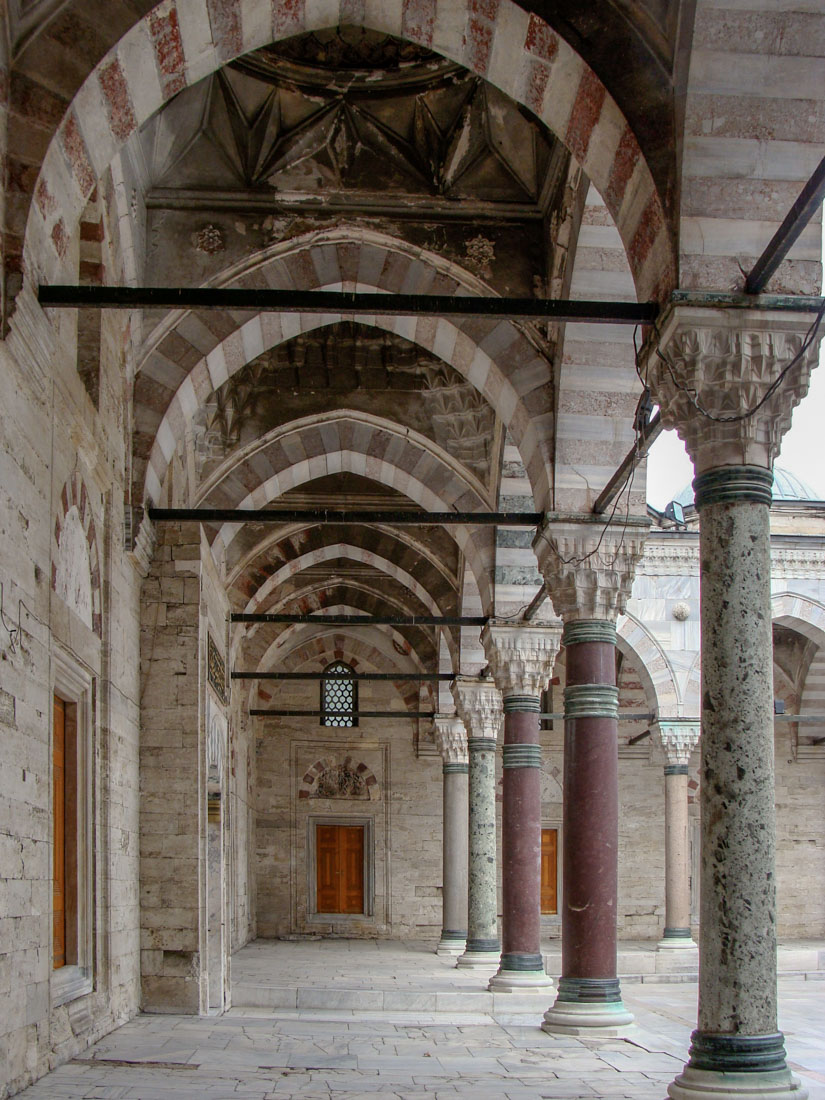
x: 352, y: 878
x: 549, y: 871
x: 339, y: 859
x: 59, y: 819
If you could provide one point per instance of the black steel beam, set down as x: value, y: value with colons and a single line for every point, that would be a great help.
x: 629, y: 463
x: 809, y: 201
x: 265, y: 712
x: 327, y: 515
x: 639, y: 737
x: 412, y: 677
x: 361, y: 620
x: 328, y: 301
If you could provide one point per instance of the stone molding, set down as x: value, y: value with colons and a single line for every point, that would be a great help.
x: 143, y: 551
x: 725, y: 361
x: 678, y: 738
x: 521, y: 657
x: 478, y: 703
x: 668, y: 559
x: 589, y: 568
x: 450, y: 738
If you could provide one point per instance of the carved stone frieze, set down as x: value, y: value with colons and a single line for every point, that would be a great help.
x: 521, y: 656
x: 710, y: 367
x: 678, y: 738
x: 450, y: 738
x: 478, y: 702
x: 588, y: 567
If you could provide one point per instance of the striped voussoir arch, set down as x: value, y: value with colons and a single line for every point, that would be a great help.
x: 661, y: 689
x: 181, y: 41
x: 801, y: 613
x: 356, y: 443
x: 201, y: 353
x: 267, y: 594
x: 75, y: 495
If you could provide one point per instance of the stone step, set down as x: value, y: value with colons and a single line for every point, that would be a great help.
x: 252, y: 995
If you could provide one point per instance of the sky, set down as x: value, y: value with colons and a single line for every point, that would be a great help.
x: 669, y: 469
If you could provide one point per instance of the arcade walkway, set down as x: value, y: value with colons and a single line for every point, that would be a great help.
x: 457, y: 1043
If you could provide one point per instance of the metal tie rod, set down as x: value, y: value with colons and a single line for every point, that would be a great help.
x: 325, y: 515
x: 265, y: 712
x: 417, y: 677
x: 361, y: 620
x: 257, y: 299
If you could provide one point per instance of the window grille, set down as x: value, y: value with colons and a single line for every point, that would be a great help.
x: 339, y: 698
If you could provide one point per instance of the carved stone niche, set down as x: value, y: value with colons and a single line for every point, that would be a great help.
x: 330, y: 779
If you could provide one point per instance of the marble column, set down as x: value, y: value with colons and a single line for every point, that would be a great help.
x: 479, y: 704
x: 451, y: 738
x: 713, y: 373
x: 589, y: 570
x: 521, y: 660
x: 678, y: 738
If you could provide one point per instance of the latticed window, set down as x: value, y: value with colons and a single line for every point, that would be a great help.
x: 339, y: 697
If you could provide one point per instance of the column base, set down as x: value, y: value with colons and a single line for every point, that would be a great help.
x: 605, y: 1020
x: 588, y: 1006
x: 708, y: 1084
x: 480, y: 955
x: 451, y: 943
x: 520, y: 981
x: 676, y: 938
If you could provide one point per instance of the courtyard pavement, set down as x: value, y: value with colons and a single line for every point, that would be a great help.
x: 339, y: 1053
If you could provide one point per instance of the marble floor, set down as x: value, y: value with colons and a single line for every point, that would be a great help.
x: 460, y: 1047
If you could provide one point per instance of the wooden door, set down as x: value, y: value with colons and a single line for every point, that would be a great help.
x: 59, y: 818
x: 549, y: 871
x: 339, y: 858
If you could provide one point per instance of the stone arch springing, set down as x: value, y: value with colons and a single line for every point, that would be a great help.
x: 180, y: 42
x: 75, y: 521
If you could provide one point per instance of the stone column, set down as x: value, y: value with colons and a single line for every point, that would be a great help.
x: 451, y: 738
x: 479, y: 704
x: 521, y: 660
x: 713, y: 373
x: 589, y: 569
x: 678, y: 737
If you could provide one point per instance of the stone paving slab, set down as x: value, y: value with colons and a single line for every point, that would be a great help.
x: 336, y: 1056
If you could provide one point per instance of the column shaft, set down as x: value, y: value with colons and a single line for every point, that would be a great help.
x: 454, y: 859
x: 521, y: 840
x: 591, y: 825
x: 736, y: 1049
x: 737, y: 988
x: 677, y: 876
x: 482, y: 915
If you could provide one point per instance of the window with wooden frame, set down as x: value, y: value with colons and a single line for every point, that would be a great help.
x: 339, y: 696
x: 549, y: 871
x: 71, y: 833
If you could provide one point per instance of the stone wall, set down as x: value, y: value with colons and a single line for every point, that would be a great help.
x: 402, y: 803
x: 62, y: 476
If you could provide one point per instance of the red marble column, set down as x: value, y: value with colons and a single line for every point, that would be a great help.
x: 589, y: 993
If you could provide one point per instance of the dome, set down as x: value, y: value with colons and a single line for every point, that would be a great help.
x: 786, y: 486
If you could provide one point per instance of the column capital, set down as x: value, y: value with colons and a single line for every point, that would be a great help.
x: 707, y: 367
x: 521, y: 655
x: 478, y: 702
x: 589, y: 567
x: 450, y: 738
x: 678, y: 738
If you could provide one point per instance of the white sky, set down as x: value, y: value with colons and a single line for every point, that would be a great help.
x: 669, y: 469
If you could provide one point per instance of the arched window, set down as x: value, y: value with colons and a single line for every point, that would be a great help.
x: 339, y: 697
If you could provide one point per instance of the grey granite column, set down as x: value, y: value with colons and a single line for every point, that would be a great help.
x: 479, y: 704
x: 737, y: 1046
x: 521, y: 659
x: 678, y: 737
x: 728, y: 381
x: 451, y: 738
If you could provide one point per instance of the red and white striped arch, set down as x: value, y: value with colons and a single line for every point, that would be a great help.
x: 181, y: 41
